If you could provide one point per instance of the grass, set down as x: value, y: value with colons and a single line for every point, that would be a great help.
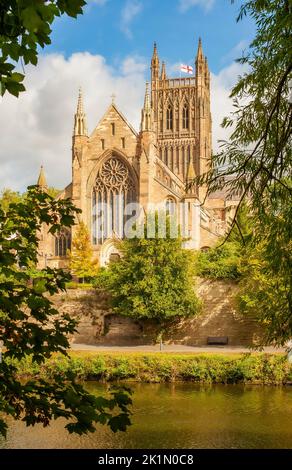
x: 252, y: 368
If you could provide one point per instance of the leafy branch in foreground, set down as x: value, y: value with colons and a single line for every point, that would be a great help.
x: 258, y: 155
x: 25, y: 25
x: 256, y: 162
x: 31, y: 326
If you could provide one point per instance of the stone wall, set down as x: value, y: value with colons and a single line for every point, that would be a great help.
x: 219, y: 317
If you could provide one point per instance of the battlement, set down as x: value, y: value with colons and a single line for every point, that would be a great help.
x: 184, y: 82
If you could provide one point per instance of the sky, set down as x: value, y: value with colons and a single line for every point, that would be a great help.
x: 108, y: 50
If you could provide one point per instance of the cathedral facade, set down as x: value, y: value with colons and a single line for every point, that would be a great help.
x: 115, y: 167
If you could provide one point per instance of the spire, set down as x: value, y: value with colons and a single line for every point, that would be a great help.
x: 147, y: 98
x: 42, y: 182
x: 80, y: 127
x: 191, y: 187
x: 163, y: 72
x: 155, y: 64
x: 200, y: 55
x: 155, y: 55
x: 191, y: 173
x: 146, y: 117
x: 80, y: 102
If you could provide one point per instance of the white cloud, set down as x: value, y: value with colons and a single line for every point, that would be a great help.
x: 37, y: 127
x: 236, y: 51
x: 221, y: 104
x: 131, y: 9
x: 97, y: 2
x: 185, y: 5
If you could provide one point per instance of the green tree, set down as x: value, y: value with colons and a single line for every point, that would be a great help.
x: 8, y: 197
x: 219, y: 262
x: 53, y: 191
x: 30, y: 325
x: 82, y: 263
x: 24, y: 26
x: 256, y: 161
x: 266, y: 283
x: 153, y: 279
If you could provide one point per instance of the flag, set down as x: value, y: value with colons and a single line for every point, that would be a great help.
x: 186, y: 69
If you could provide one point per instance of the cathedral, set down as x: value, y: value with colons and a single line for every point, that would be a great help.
x: 115, y: 166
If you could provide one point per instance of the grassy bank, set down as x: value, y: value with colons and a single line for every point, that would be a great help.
x: 165, y: 367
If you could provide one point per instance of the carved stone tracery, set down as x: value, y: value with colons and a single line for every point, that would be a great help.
x: 114, y: 175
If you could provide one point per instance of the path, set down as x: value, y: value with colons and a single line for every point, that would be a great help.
x: 171, y: 348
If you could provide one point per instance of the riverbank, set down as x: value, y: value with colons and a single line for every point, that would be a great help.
x: 250, y: 368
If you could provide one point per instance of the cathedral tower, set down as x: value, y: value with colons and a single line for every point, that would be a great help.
x: 182, y: 118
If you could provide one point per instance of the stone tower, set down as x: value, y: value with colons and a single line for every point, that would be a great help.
x: 182, y: 117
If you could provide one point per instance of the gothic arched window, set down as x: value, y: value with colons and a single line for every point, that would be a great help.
x: 169, y: 120
x: 62, y: 243
x: 185, y: 122
x: 170, y: 206
x: 114, y: 188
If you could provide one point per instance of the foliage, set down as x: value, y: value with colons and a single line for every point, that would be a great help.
x: 259, y: 152
x: 220, y: 262
x: 82, y: 263
x: 223, y: 261
x: 53, y: 191
x: 153, y: 279
x: 256, y: 161
x: 266, y: 286
x: 255, y: 368
x: 8, y: 197
x: 30, y: 325
x: 25, y: 25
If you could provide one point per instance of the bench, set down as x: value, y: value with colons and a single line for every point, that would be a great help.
x: 217, y: 340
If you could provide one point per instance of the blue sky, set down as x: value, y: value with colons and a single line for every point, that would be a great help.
x: 116, y: 28
x: 108, y: 50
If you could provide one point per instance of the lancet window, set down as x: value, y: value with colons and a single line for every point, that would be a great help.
x: 185, y: 123
x: 62, y: 243
x: 169, y: 118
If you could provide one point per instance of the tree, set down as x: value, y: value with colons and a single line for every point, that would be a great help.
x: 258, y: 155
x: 256, y: 161
x: 53, y: 191
x: 82, y: 264
x: 152, y: 280
x: 25, y: 25
x: 219, y: 262
x: 8, y: 197
x: 30, y: 325
x: 265, y: 287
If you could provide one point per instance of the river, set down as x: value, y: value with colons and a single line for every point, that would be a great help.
x: 181, y: 416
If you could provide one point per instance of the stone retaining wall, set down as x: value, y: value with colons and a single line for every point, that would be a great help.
x: 219, y: 317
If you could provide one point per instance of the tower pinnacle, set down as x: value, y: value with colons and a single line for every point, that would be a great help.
x: 163, y: 72
x: 80, y: 127
x: 191, y: 175
x: 200, y: 55
x: 146, y: 118
x: 42, y: 182
x: 155, y: 64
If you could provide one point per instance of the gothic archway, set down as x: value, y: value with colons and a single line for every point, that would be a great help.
x: 62, y: 242
x: 113, y: 189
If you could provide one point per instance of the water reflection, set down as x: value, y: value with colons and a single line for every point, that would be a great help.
x: 181, y: 416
